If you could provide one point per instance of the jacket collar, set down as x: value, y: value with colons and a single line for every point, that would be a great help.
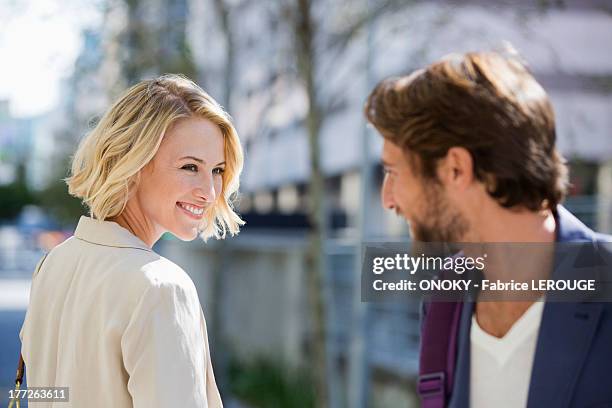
x: 569, y: 228
x: 107, y: 233
x: 566, y: 331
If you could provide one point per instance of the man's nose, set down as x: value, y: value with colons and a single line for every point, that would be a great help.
x: 386, y: 194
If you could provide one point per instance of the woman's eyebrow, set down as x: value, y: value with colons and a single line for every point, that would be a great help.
x: 200, y: 160
x: 192, y: 158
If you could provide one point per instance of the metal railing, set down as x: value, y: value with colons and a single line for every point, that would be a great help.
x: 392, y: 328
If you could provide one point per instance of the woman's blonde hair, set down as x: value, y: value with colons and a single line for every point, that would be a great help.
x: 107, y: 162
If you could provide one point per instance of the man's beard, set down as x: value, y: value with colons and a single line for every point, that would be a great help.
x: 440, y: 222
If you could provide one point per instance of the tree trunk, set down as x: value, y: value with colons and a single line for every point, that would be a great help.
x: 219, y: 343
x: 304, y: 35
x: 223, y: 13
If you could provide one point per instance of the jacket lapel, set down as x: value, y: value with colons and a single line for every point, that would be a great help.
x: 567, y: 328
x: 566, y: 333
x: 461, y: 389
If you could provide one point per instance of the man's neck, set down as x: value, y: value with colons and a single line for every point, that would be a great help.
x: 496, y: 224
x: 501, y: 225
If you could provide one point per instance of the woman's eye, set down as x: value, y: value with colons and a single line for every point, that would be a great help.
x: 219, y: 170
x: 190, y: 167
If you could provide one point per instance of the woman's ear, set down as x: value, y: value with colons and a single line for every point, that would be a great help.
x: 134, y: 183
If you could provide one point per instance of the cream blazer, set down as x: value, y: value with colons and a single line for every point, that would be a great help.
x: 118, y: 324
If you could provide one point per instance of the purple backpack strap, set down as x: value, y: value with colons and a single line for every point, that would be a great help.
x: 438, y: 353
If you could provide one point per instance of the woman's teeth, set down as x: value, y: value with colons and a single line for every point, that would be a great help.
x: 191, y: 209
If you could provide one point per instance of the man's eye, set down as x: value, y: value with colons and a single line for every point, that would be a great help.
x: 219, y: 170
x: 190, y: 167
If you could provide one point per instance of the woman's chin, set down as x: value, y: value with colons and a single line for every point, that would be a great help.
x: 186, y: 235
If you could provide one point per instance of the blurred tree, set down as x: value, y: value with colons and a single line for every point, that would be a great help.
x: 14, y: 196
x: 223, y: 9
x: 56, y: 201
x: 219, y: 344
x: 312, y: 40
x: 304, y: 32
x: 154, y: 40
x: 260, y: 65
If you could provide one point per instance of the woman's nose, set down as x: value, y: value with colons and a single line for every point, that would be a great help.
x: 206, y: 190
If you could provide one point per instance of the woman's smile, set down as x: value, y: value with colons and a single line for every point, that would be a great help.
x: 193, y: 211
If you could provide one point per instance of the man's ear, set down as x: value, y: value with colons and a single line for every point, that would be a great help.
x: 456, y: 169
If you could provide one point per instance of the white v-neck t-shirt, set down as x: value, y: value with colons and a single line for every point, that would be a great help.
x: 500, y: 368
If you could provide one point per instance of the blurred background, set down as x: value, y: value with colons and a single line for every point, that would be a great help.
x: 282, y: 300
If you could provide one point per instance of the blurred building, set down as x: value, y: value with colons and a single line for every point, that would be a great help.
x: 564, y: 46
x: 243, y: 53
x: 136, y: 40
x: 15, y: 142
x: 25, y: 143
x: 251, y: 46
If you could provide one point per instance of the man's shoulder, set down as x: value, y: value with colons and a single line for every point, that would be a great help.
x: 572, y: 229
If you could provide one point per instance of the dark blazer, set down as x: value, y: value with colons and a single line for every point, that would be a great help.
x: 572, y: 364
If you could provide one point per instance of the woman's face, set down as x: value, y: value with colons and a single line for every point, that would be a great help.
x: 183, y: 179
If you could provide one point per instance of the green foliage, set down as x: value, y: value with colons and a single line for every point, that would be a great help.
x: 56, y: 202
x: 13, y: 197
x: 271, y: 384
x: 54, y: 199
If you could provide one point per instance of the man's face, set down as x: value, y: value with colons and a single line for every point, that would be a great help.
x: 421, y: 201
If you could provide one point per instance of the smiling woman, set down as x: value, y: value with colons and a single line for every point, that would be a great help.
x: 174, y: 188
x: 106, y: 170
x: 109, y: 318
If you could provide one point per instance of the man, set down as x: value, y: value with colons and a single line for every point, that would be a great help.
x: 469, y: 156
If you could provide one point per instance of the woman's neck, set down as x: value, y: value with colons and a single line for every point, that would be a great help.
x: 129, y: 220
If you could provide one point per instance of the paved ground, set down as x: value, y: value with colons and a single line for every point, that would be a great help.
x: 17, y: 261
x: 10, y: 324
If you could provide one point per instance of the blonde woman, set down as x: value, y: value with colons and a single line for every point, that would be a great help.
x: 109, y: 318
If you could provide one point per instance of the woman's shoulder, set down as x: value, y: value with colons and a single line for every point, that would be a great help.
x: 162, y: 283
x: 163, y: 272
x: 146, y: 271
x: 136, y: 269
x: 159, y: 278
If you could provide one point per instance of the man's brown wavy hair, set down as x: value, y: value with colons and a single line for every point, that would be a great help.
x: 487, y: 103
